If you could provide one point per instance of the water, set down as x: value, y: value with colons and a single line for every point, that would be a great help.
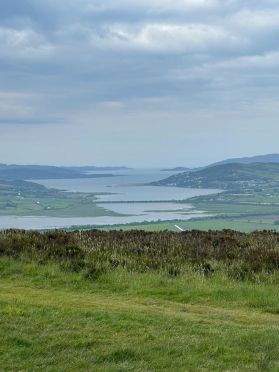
x: 118, y: 194
x: 126, y: 185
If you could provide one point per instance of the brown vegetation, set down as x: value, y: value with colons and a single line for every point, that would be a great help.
x: 241, y: 255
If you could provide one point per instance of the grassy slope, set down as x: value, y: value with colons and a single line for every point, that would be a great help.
x: 52, y: 320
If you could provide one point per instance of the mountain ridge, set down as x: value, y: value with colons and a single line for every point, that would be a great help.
x: 266, y: 158
x: 31, y: 172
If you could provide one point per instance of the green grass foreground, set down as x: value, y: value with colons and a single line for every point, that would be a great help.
x: 139, y: 301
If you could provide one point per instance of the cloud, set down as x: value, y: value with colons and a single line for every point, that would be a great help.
x: 14, y: 103
x: 256, y: 19
x: 157, y: 6
x: 79, y: 54
x: 168, y: 38
x: 23, y: 43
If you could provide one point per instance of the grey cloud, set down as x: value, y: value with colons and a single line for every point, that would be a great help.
x: 59, y: 59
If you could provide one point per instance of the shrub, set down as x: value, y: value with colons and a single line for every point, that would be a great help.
x: 95, y: 251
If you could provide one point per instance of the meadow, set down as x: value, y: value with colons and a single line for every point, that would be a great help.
x: 242, y: 224
x: 139, y: 301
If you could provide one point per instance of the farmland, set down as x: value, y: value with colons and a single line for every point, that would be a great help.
x: 21, y: 198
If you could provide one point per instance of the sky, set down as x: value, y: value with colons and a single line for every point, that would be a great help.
x: 138, y: 82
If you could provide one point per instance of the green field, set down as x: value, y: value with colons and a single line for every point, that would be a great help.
x: 53, y: 320
x: 244, y: 225
x: 240, y: 224
x: 139, y: 301
x: 60, y: 206
x: 21, y: 198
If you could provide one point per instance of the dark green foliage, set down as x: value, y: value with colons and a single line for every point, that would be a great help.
x: 97, y: 252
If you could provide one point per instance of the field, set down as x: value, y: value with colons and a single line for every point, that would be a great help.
x: 60, y: 321
x: 74, y: 205
x: 139, y: 301
x: 21, y: 198
x: 243, y: 224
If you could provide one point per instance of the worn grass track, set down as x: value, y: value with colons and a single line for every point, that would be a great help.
x: 59, y: 321
x: 68, y: 300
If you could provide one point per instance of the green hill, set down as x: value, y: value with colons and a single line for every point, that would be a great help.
x: 227, y: 177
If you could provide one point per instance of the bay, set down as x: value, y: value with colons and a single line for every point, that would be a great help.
x: 125, y: 193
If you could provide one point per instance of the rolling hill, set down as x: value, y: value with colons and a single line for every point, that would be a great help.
x: 227, y: 177
x: 268, y: 158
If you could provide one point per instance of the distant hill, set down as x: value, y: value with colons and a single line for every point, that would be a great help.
x: 177, y: 169
x: 31, y: 172
x: 227, y: 177
x: 269, y: 158
x: 8, y: 187
x: 93, y: 168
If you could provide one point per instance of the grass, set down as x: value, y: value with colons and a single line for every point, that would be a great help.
x: 235, y: 209
x: 243, y: 224
x: 52, y: 319
x: 138, y: 301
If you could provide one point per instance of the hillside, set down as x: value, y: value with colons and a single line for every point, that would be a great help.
x: 269, y: 158
x: 11, y: 188
x: 227, y: 177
